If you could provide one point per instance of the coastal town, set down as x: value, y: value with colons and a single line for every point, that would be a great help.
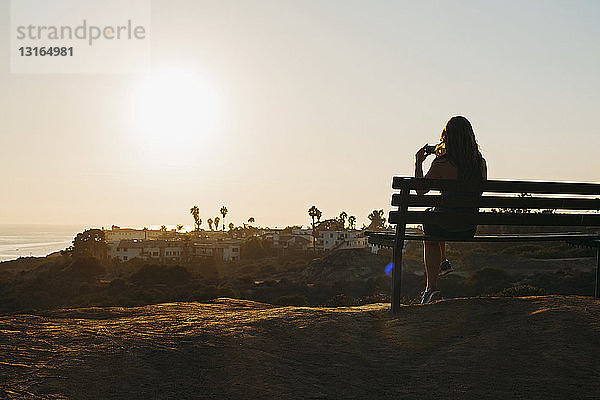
x: 226, y: 246
x: 125, y: 244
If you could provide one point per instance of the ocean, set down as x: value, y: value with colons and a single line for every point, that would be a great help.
x: 35, y: 240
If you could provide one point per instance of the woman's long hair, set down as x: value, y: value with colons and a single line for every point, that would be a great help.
x: 462, y: 149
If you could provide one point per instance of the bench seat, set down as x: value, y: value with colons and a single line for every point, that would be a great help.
x: 583, y: 239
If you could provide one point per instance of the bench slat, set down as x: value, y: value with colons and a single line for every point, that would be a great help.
x: 499, y: 186
x: 503, y: 202
x: 387, y: 239
x: 489, y: 218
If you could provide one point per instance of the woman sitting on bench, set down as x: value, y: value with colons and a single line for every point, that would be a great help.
x: 457, y: 157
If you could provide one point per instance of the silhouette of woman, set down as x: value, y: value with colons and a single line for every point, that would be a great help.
x: 461, y: 159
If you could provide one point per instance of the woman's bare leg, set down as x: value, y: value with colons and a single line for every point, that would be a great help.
x: 433, y: 259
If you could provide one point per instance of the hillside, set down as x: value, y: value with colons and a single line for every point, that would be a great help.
x: 505, y: 348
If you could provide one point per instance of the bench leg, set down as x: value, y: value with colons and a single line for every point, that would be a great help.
x: 397, y: 277
x: 597, y: 291
x: 398, y: 247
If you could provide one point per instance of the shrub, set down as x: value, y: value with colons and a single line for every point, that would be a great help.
x: 83, y: 269
x: 489, y: 280
x: 453, y: 286
x: 268, y: 269
x: 160, y: 274
x: 292, y: 300
x: 253, y: 248
x: 374, y: 298
x: 211, y: 292
x: 249, y: 269
x: 117, y: 286
x: 340, y: 300
x: 547, y: 251
x: 565, y: 281
x: 521, y: 291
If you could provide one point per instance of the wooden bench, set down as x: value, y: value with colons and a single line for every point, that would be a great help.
x: 571, y: 204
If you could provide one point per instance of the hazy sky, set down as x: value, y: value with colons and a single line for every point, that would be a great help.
x: 302, y: 103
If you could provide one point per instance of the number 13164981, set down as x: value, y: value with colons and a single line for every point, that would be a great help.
x: 46, y: 51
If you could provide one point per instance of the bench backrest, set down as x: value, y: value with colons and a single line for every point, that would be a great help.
x: 575, y: 202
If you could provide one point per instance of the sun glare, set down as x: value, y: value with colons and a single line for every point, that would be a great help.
x: 174, y: 112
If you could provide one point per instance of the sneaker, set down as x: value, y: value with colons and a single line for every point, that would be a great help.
x: 428, y: 296
x: 445, y: 268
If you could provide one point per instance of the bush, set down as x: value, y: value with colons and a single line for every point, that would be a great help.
x: 117, y: 286
x: 547, y: 251
x: 521, y: 291
x: 374, y: 298
x: 489, y: 280
x: 268, y: 269
x: 292, y: 300
x: 253, y: 248
x: 160, y: 274
x: 340, y: 300
x: 211, y: 292
x: 565, y: 281
x: 83, y: 269
x: 249, y: 269
x: 453, y: 286
x: 207, y: 267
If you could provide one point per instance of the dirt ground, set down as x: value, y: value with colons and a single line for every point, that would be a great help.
x: 476, y: 348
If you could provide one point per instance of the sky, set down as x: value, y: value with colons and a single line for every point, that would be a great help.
x: 275, y: 106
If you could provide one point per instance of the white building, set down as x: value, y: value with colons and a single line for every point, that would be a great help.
x: 174, y: 250
x: 149, y: 250
x: 298, y: 239
x: 125, y: 250
x: 224, y: 250
x: 333, y: 240
x: 116, y: 234
x: 305, y: 233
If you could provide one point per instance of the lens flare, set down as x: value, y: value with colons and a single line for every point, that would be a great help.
x: 389, y: 268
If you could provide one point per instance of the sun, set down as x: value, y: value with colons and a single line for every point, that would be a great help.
x: 174, y: 111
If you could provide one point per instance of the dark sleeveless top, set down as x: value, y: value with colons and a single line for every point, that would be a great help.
x: 453, y: 197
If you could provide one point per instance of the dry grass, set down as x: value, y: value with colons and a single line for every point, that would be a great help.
x: 507, y: 348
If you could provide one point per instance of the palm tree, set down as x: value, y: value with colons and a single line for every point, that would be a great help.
x: 217, y: 219
x: 163, y: 228
x: 179, y: 228
x: 223, y: 213
x: 343, y: 216
x: 210, y: 222
x: 314, y: 212
x: 377, y: 220
x: 351, y: 221
x: 251, y: 220
x: 319, y: 214
x: 195, y: 211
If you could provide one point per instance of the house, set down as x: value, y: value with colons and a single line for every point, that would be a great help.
x: 125, y: 250
x: 227, y: 250
x: 224, y: 250
x: 149, y: 250
x: 298, y: 242
x: 346, y: 239
x: 297, y: 239
x: 305, y: 233
x: 116, y: 234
